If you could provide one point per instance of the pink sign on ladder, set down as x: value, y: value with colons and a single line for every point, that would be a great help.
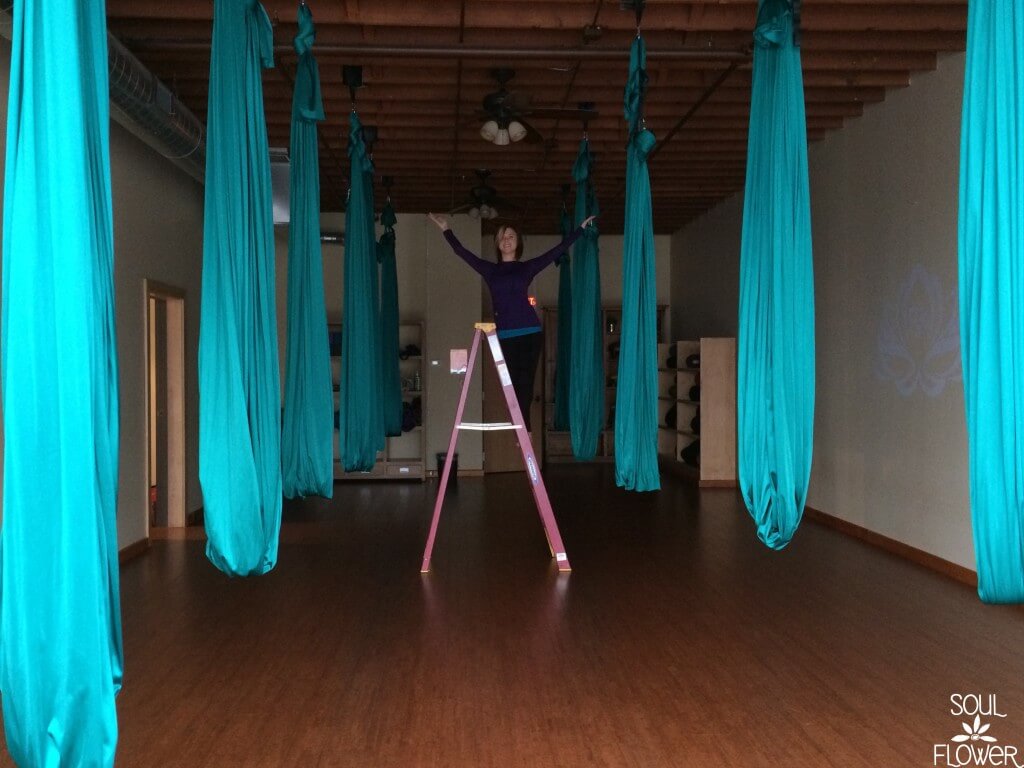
x: 540, y: 493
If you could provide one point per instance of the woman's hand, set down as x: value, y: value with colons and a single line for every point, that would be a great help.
x: 441, y: 221
x: 586, y: 222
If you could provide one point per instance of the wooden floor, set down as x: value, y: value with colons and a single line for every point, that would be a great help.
x: 678, y: 640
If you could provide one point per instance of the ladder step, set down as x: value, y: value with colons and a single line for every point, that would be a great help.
x: 493, y: 426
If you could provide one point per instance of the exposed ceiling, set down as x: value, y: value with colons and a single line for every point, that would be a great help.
x: 425, y: 105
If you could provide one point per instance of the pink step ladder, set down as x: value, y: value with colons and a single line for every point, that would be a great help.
x: 540, y: 494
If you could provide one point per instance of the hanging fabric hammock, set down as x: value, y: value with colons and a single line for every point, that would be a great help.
x: 239, y: 390
x: 563, y: 365
x: 307, y: 450
x: 391, y: 379
x: 60, y: 622
x: 775, y: 367
x: 586, y: 388
x: 361, y: 419
x: 636, y: 406
x: 991, y: 246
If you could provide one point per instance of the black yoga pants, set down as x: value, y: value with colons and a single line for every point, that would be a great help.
x: 522, y: 353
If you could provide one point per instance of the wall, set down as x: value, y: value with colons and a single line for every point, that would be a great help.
x: 705, y: 273
x: 158, y: 231
x: 158, y: 234
x: 890, y: 444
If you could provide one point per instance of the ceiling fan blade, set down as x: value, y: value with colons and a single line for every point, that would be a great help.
x: 518, y: 101
x: 501, y: 202
x: 460, y: 209
x: 554, y: 113
x: 533, y: 136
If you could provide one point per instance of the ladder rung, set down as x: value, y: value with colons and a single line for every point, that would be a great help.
x: 493, y: 426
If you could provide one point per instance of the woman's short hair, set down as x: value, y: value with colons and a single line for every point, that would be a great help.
x: 497, y: 241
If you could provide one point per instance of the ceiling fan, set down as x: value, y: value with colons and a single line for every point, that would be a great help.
x: 504, y: 113
x: 483, y: 199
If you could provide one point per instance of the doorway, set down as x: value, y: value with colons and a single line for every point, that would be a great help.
x: 165, y: 422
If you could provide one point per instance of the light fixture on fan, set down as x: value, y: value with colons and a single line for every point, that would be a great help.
x: 503, y: 133
x: 484, y: 211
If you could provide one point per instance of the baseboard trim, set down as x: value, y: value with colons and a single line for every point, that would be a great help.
x: 433, y: 473
x: 718, y: 484
x: 132, y: 551
x: 893, y: 547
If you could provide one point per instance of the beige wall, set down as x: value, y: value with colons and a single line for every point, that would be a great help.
x: 705, y: 273
x: 158, y: 234
x: 890, y: 451
x: 158, y: 230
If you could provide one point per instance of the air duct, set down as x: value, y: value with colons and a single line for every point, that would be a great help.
x: 141, y: 103
x: 145, y: 107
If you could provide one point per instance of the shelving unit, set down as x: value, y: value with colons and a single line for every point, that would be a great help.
x: 558, y: 444
x: 404, y: 456
x: 697, y: 409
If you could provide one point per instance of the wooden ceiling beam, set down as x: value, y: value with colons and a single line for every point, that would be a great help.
x: 195, y: 91
x: 529, y: 14
x: 394, y: 127
x: 145, y: 36
x: 379, y: 111
x: 889, y: 73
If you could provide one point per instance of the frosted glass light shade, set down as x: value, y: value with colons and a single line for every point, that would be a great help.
x: 516, y: 131
x: 489, y: 130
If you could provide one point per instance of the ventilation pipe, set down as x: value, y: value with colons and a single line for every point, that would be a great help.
x: 144, y: 106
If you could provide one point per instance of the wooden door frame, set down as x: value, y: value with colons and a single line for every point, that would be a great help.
x: 174, y: 299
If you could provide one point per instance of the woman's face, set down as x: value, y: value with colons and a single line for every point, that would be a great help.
x: 508, y: 240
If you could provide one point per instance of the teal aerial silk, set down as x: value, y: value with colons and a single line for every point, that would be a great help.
x: 307, y: 440
x: 991, y: 244
x: 239, y: 391
x: 775, y: 369
x: 636, y: 406
x: 586, y: 383
x: 362, y: 415
x: 60, y: 617
x: 391, y: 380
x: 563, y: 364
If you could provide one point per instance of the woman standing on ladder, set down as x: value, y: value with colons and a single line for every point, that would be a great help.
x: 508, y: 281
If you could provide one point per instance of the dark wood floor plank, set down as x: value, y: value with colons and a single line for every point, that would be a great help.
x: 677, y: 640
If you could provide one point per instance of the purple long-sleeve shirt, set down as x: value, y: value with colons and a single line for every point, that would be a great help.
x: 509, y: 282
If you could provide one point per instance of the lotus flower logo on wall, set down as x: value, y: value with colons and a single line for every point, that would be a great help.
x: 919, y: 336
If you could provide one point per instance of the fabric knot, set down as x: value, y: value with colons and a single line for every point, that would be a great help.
x: 643, y: 143
x: 263, y: 31
x: 581, y: 168
x: 636, y: 84
x: 307, y: 31
x: 388, y: 218
x: 774, y: 23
